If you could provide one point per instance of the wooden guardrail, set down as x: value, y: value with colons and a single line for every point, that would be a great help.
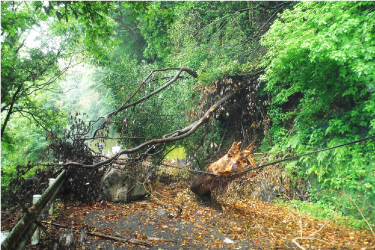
x: 21, y: 234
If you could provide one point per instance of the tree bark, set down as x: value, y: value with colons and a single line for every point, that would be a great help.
x: 10, y: 110
x: 233, y: 162
x: 133, y: 241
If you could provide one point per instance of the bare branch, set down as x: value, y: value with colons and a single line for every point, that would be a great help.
x: 154, y: 143
x: 180, y: 70
x: 50, y: 81
x: 19, y: 47
x: 35, y: 117
x: 115, y: 138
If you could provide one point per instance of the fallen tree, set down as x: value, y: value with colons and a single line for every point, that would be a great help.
x: 88, y: 168
x: 233, y: 162
x: 151, y: 145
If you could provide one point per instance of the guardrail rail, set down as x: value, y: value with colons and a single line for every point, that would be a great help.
x: 21, y: 234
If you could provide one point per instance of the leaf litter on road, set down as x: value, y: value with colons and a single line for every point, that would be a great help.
x: 201, y: 224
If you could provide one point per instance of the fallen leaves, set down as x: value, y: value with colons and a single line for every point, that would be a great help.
x: 203, y: 225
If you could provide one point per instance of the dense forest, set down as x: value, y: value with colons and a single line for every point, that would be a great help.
x: 292, y: 77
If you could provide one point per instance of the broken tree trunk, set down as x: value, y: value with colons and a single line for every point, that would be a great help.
x: 234, y: 161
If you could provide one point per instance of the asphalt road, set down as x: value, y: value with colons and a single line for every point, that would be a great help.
x: 157, y: 223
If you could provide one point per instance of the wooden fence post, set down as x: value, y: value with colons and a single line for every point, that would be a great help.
x: 35, y: 238
x: 51, y: 181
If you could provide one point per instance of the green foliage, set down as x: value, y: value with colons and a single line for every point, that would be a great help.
x: 31, y: 65
x: 319, y: 81
x: 154, y: 20
x: 87, y: 24
x: 28, y: 69
x: 324, y: 211
x: 320, y: 73
x: 216, y: 38
x: 161, y: 114
x: 213, y: 38
x: 129, y: 39
x: 25, y: 146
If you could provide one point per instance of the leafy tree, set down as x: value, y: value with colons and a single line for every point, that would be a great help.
x: 218, y: 39
x: 28, y: 70
x: 318, y: 84
x: 31, y: 68
x: 154, y: 19
x: 320, y: 74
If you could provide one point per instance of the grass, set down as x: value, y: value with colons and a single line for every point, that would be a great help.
x: 322, y: 211
x: 177, y: 153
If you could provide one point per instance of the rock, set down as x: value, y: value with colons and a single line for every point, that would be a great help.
x: 182, y: 161
x: 67, y: 239
x: 266, y: 191
x: 118, y: 186
x: 138, y: 192
x: 83, y: 235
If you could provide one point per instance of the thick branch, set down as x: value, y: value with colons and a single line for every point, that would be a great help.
x: 175, y: 136
x: 14, y: 98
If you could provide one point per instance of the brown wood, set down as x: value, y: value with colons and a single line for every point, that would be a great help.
x: 233, y: 162
x: 133, y: 241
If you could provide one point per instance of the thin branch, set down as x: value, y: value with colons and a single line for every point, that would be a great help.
x: 180, y: 70
x: 114, y: 138
x: 19, y: 47
x: 271, y: 17
x: 360, y: 211
x: 257, y: 33
x: 34, y: 118
x: 14, y: 99
x: 262, y: 6
x: 50, y: 81
x: 133, y: 241
x: 298, y: 245
x: 126, y: 105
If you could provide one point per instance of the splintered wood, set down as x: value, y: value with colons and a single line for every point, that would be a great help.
x: 233, y: 162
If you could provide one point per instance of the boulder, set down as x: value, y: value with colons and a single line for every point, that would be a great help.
x: 66, y: 239
x: 182, y: 161
x: 118, y: 186
x: 266, y: 191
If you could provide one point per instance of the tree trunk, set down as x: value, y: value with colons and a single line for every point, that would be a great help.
x: 234, y: 161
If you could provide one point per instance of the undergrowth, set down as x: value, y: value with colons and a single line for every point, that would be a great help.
x: 322, y: 211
